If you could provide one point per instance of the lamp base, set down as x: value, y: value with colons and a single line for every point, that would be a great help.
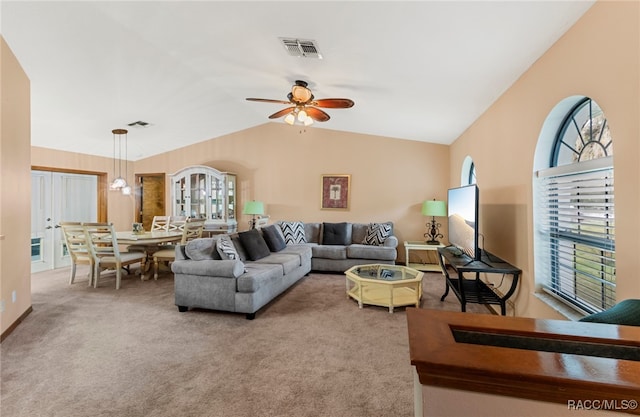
x: 433, y: 232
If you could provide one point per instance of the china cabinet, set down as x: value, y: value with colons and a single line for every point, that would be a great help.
x: 205, y: 193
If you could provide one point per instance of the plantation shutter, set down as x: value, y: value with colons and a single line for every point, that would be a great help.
x: 576, y: 233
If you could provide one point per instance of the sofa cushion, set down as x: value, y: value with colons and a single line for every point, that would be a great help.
x: 336, y: 233
x: 202, y: 249
x: 371, y: 252
x: 329, y: 251
x: 209, y: 268
x: 312, y: 232
x: 303, y: 251
x: 288, y: 261
x: 258, y: 275
x: 293, y: 232
x: 273, y: 236
x: 254, y: 244
x: 377, y: 233
x: 226, y: 249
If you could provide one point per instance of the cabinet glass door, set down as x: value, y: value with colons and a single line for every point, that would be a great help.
x: 180, y: 187
x: 198, y: 196
x: 217, y: 198
x: 231, y: 203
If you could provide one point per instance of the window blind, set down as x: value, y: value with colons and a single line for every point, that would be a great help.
x: 575, y: 233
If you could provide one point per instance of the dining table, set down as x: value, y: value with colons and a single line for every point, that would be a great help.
x: 150, y: 241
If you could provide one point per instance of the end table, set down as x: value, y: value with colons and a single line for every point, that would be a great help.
x: 432, y: 267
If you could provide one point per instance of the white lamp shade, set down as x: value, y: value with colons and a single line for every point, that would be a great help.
x: 253, y: 207
x: 434, y: 208
x: 118, y: 183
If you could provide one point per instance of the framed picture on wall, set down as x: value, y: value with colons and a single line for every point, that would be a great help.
x: 335, y: 192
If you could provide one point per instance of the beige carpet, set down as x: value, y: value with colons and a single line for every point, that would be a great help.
x: 311, y: 352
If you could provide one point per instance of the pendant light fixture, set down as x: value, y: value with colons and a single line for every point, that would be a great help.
x: 120, y: 183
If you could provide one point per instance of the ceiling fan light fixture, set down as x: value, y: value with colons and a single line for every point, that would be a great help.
x: 304, y: 109
x: 301, y: 93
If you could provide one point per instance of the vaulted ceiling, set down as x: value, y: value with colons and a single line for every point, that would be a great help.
x: 417, y: 70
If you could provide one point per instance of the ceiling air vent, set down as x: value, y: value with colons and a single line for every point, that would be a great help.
x: 304, y: 48
x: 139, y: 123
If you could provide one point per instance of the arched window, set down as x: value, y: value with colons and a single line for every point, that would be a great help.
x: 574, y: 217
x: 468, y: 172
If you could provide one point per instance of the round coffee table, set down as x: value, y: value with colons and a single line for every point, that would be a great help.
x: 384, y: 285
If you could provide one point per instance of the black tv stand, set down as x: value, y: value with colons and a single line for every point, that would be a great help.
x: 475, y: 290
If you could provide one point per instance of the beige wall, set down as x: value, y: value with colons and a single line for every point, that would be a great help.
x: 15, y: 186
x: 282, y: 167
x: 599, y: 57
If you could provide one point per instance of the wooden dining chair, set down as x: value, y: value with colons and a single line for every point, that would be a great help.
x: 159, y: 224
x: 192, y: 229
x: 176, y: 223
x: 76, y: 242
x: 103, y: 246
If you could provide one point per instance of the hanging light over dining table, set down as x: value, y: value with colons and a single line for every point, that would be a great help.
x: 119, y: 183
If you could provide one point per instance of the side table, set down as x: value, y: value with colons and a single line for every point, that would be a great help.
x: 433, y: 267
x: 476, y: 290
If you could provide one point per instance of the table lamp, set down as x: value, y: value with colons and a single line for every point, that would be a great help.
x: 253, y: 208
x: 434, y: 208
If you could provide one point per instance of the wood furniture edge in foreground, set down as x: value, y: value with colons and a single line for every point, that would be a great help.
x: 515, y: 372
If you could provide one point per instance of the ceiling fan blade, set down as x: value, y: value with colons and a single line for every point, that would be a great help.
x: 333, y: 103
x: 317, y: 114
x: 282, y: 112
x: 267, y: 100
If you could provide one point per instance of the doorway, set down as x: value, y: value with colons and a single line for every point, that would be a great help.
x: 150, y: 198
x: 55, y: 197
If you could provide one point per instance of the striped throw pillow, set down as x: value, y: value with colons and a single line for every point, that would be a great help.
x: 293, y: 232
x: 377, y: 233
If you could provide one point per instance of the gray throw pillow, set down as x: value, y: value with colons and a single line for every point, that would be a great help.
x: 293, y: 232
x: 226, y: 249
x: 202, y: 249
x: 377, y: 233
x: 254, y: 244
x: 335, y: 234
x: 274, y: 238
x: 239, y: 248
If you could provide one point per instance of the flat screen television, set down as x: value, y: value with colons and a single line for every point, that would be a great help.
x: 462, y: 211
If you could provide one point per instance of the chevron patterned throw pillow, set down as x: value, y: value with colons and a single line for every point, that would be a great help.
x: 377, y: 233
x: 226, y: 248
x: 293, y: 232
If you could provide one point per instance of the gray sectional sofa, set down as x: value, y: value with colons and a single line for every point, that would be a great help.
x: 242, y: 272
x: 346, y: 248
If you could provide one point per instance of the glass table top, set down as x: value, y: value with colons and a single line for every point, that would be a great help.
x: 384, y: 272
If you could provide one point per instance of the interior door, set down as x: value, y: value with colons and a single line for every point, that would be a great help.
x: 150, y: 199
x: 56, y: 197
x: 41, y: 221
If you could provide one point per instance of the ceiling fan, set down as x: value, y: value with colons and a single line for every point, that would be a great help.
x: 304, y: 107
